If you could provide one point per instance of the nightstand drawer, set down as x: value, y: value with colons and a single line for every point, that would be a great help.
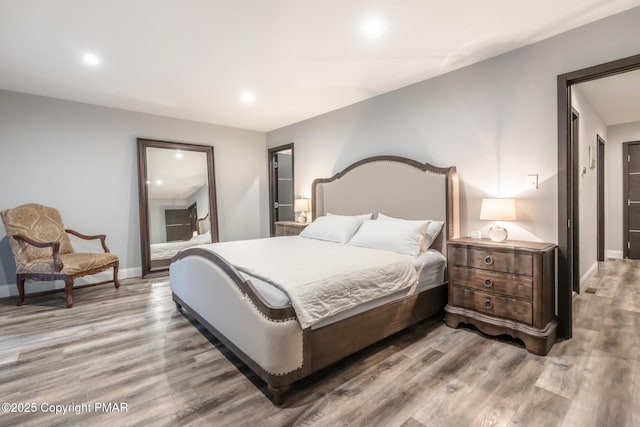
x: 289, y: 228
x: 486, y: 259
x: 288, y: 231
x: 510, y: 285
x: 492, y: 305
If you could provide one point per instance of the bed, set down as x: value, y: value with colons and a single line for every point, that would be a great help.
x: 163, y: 253
x: 170, y: 249
x: 286, y: 323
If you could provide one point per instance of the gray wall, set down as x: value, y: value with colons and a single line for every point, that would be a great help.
x: 81, y: 159
x: 495, y: 120
x: 618, y: 134
x: 590, y: 125
x: 158, y: 220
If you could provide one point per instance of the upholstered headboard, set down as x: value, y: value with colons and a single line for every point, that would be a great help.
x: 395, y: 186
x: 203, y: 224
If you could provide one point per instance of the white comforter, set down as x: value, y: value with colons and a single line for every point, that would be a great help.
x: 168, y: 250
x: 320, y: 278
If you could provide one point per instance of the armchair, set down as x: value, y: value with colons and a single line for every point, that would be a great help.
x: 43, y: 251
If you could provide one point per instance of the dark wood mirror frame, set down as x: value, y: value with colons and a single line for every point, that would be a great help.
x: 143, y: 144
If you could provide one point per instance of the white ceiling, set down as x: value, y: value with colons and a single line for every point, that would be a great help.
x: 174, y: 174
x: 192, y: 59
x: 616, y: 99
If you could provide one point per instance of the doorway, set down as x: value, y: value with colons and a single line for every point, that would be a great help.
x: 575, y: 144
x: 281, y: 185
x: 193, y: 217
x: 177, y: 224
x: 567, y: 184
x: 600, y: 162
x: 631, y: 198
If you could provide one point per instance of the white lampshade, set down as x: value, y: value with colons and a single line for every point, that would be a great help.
x: 301, y: 205
x: 498, y: 210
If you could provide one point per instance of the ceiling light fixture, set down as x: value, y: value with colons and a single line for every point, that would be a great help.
x: 91, y: 59
x: 248, y: 97
x: 373, y: 27
x: 158, y: 182
x: 179, y: 154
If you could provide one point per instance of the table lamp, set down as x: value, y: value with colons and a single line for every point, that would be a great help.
x: 302, y: 206
x: 498, y: 210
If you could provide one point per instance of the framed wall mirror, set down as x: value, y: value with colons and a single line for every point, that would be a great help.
x: 177, y: 191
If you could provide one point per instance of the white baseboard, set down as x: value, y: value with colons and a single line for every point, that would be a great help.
x: 587, y: 275
x: 10, y: 289
x: 614, y: 254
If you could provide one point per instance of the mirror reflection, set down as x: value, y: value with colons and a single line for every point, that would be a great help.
x: 176, y: 200
x: 178, y: 197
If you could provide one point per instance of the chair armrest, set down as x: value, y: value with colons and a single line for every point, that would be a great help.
x: 102, y: 238
x: 54, y: 245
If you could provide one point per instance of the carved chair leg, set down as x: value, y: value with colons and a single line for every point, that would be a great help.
x: 278, y: 393
x: 68, y: 289
x: 116, y: 282
x: 20, y: 283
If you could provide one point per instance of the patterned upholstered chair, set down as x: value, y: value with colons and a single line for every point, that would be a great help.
x: 43, y: 251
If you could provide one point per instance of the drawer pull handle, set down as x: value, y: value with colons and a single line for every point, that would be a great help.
x: 488, y: 260
x: 488, y: 304
x: 488, y: 283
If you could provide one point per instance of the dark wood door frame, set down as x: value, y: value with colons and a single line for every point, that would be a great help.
x: 626, y: 200
x: 600, y: 169
x: 273, y: 184
x: 566, y: 182
x: 574, y: 138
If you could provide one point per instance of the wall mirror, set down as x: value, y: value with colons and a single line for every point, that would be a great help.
x: 177, y: 201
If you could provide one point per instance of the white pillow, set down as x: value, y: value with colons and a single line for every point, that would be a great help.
x: 403, y: 237
x: 202, y: 238
x: 425, y: 242
x: 433, y: 230
x: 333, y: 228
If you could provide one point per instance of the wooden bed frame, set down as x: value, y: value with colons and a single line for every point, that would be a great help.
x: 327, y: 344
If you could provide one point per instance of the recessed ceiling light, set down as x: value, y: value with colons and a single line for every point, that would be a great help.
x: 91, y: 59
x: 179, y: 154
x: 248, y: 97
x: 158, y: 182
x: 373, y: 27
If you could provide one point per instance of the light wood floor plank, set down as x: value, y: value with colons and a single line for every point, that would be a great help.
x: 608, y: 393
x: 543, y: 409
x: 566, y: 362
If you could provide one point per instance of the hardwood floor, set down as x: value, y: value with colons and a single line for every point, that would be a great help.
x: 131, y: 345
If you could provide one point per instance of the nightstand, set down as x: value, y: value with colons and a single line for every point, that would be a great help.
x: 289, y: 228
x: 504, y: 288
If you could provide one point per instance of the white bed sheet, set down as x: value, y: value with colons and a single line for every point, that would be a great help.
x: 169, y: 249
x: 430, y: 267
x: 320, y: 278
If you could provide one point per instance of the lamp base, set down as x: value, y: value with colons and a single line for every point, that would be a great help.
x: 497, y: 233
x: 302, y: 218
